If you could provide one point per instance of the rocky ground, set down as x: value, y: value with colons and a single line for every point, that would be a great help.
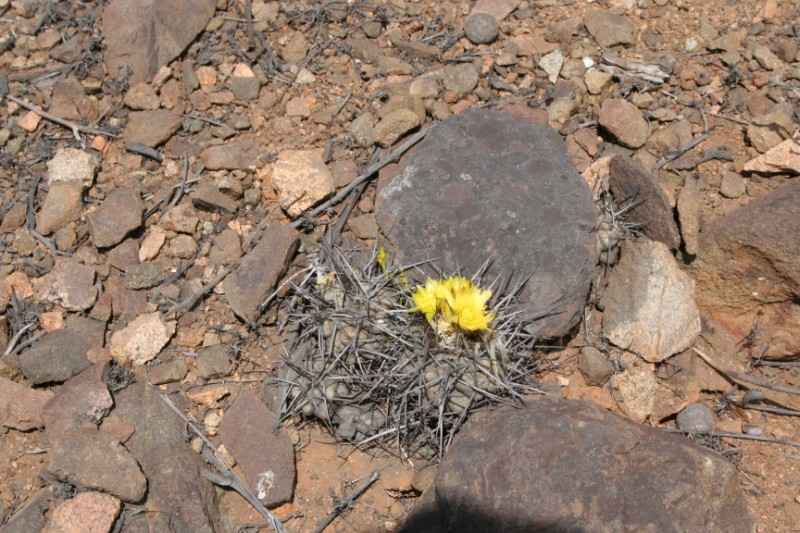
x: 166, y: 167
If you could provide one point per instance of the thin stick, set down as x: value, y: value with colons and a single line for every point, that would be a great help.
x: 76, y: 128
x: 743, y: 436
x: 777, y: 364
x: 49, y: 245
x: 773, y: 410
x: 393, y: 157
x: 15, y: 339
x: 192, y: 299
x: 675, y: 154
x: 744, y: 377
x: 204, y: 119
x: 248, y: 13
x: 347, y: 501
x: 142, y: 149
x: 227, y: 477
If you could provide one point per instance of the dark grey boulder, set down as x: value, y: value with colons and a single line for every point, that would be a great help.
x: 486, y: 184
x: 562, y: 465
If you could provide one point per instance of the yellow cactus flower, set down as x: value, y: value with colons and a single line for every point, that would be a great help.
x: 455, y: 300
x: 382, y: 258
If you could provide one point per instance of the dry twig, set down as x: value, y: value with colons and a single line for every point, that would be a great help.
x: 347, y: 502
x: 393, y: 157
x: 76, y: 128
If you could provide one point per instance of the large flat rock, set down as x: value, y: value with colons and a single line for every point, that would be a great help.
x: 145, y: 35
x: 750, y: 258
x: 172, y: 468
x: 561, y: 465
x: 486, y: 184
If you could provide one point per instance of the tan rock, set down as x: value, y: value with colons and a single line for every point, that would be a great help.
x: 395, y: 125
x: 635, y: 388
x: 784, y: 157
x: 142, y: 97
x: 649, y: 303
x: 208, y: 396
x: 499, y: 9
x: 206, y: 76
x: 29, y: 121
x: 142, y: 339
x: 301, y: 179
x: 62, y: 205
x: 625, y: 122
x: 16, y: 283
x: 72, y: 166
x: 20, y: 406
x: 689, y: 214
x: 70, y: 285
x: 152, y: 243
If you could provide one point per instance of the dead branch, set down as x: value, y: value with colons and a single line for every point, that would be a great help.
x: 393, y: 157
x: 347, y: 502
x: 744, y: 377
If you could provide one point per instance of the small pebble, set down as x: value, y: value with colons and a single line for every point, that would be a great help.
x: 732, y: 185
x: 696, y: 418
x: 481, y: 28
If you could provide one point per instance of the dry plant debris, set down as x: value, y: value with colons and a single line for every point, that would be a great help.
x: 376, y: 373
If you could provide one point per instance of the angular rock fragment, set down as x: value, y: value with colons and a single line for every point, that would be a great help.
x: 95, y: 460
x: 61, y: 354
x: 624, y: 122
x: 254, y: 280
x: 649, y: 303
x: 31, y: 516
x: 87, y: 511
x: 118, y: 215
x: 182, y: 219
x: 20, y: 406
x: 779, y: 159
x: 82, y: 401
x: 608, y: 29
x: 301, y: 179
x: 71, y: 165
x: 395, y: 125
x: 142, y: 339
x: 231, y: 156
x: 630, y: 185
x: 70, y: 285
x: 748, y: 259
x: 174, y: 478
x: 689, y: 214
x: 210, y: 198
x: 151, y: 128
x: 146, y: 35
x: 499, y: 9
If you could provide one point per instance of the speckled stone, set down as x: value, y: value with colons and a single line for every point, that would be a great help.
x: 481, y: 28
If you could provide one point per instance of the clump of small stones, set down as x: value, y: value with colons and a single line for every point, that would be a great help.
x: 377, y: 375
